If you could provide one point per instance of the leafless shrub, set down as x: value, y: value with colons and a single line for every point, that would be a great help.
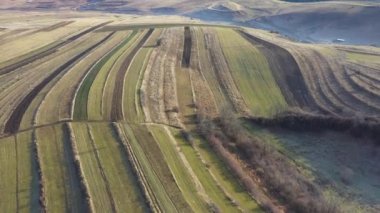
x: 356, y: 126
x: 213, y: 208
x: 275, y: 171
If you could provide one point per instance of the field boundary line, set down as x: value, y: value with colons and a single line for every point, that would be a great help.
x: 126, y: 74
x: 13, y: 123
x: 144, y: 184
x: 139, y: 81
x: 79, y: 167
x: 200, y: 66
x: 100, y: 166
x: 38, y: 110
x: 117, y: 112
x: 131, y: 39
x: 59, y: 77
x: 61, y: 155
x: 42, y: 199
x: 198, y: 185
x: 123, y: 86
x: 243, y: 109
x: 86, y: 75
x: 17, y: 174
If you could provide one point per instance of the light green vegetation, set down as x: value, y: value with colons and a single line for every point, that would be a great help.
x: 105, y: 79
x: 29, y: 116
x: 160, y: 167
x: 133, y: 79
x: 156, y: 170
x: 27, y: 178
x: 108, y: 90
x: 112, y: 185
x: 213, y: 189
x: 62, y: 190
x: 92, y: 171
x: 181, y: 174
x: 252, y: 75
x: 57, y: 104
x: 118, y: 172
x: 98, y: 73
x: 216, y: 179
x: 8, y: 175
x: 208, y: 72
x: 214, y: 175
x: 185, y: 97
x: 363, y: 58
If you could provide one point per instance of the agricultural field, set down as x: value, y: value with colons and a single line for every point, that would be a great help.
x: 103, y: 113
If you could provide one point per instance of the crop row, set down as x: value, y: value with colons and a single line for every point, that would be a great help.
x: 37, y: 43
x: 57, y: 105
x: 102, y: 66
x: 28, y: 80
x: 14, y: 120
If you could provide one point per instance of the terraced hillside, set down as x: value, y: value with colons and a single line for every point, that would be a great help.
x: 162, y: 118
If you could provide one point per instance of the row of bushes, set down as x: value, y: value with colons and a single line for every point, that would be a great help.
x: 281, y: 177
x: 358, y: 127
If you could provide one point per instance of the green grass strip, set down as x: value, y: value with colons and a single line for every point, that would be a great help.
x: 179, y: 170
x: 81, y: 100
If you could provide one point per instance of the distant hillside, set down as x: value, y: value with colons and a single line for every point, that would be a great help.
x: 355, y: 22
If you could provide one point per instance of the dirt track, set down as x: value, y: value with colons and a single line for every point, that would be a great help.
x: 13, y: 123
x: 117, y: 100
x: 187, y: 48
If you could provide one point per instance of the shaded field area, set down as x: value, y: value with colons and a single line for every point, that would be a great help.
x: 323, y: 156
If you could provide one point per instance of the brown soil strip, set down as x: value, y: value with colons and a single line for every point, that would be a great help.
x: 311, y: 71
x: 351, y: 97
x: 285, y: 70
x: 47, y: 52
x: 363, y: 87
x: 117, y: 99
x: 13, y: 123
x: 187, y: 48
x: 363, y: 81
x: 78, y: 167
x: 104, y: 177
x: 362, y: 71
